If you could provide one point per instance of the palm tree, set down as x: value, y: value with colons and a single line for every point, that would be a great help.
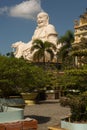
x: 66, y: 42
x: 41, y: 49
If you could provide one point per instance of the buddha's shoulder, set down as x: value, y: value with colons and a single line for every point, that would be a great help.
x: 50, y: 28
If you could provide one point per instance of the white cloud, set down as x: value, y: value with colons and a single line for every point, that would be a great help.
x: 26, y: 9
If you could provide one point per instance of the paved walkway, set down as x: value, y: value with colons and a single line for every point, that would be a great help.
x: 47, y: 113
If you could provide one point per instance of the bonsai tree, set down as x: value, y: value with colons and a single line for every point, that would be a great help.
x: 75, y: 80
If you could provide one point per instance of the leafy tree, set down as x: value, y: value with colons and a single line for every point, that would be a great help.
x: 74, y: 80
x: 17, y: 75
x: 75, y: 83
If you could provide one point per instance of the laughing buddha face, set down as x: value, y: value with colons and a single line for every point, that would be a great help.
x: 42, y: 19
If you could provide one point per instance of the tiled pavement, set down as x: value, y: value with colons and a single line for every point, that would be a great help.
x: 48, y: 113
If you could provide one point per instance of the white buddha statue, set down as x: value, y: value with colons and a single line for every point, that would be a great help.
x: 44, y: 31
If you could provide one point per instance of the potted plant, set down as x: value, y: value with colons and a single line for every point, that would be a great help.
x: 29, y: 98
x: 76, y: 82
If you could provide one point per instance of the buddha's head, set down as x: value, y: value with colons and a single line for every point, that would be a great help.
x: 42, y: 19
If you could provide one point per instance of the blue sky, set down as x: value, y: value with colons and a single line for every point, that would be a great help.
x: 18, y: 18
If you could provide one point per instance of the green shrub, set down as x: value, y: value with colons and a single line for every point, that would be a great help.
x: 64, y: 101
x: 78, y: 105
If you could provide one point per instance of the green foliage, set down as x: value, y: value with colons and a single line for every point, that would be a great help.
x: 79, y: 52
x: 41, y: 48
x: 63, y: 53
x: 67, y: 38
x: 78, y: 106
x: 64, y: 101
x: 17, y: 75
x: 75, y: 80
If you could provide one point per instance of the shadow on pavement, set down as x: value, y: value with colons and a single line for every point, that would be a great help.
x: 40, y: 119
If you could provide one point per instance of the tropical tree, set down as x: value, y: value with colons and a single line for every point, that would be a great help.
x: 66, y: 42
x: 40, y: 50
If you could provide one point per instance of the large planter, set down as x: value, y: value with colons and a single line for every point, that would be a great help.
x: 29, y: 98
x: 73, y: 126
x: 11, y: 114
x: 13, y: 101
